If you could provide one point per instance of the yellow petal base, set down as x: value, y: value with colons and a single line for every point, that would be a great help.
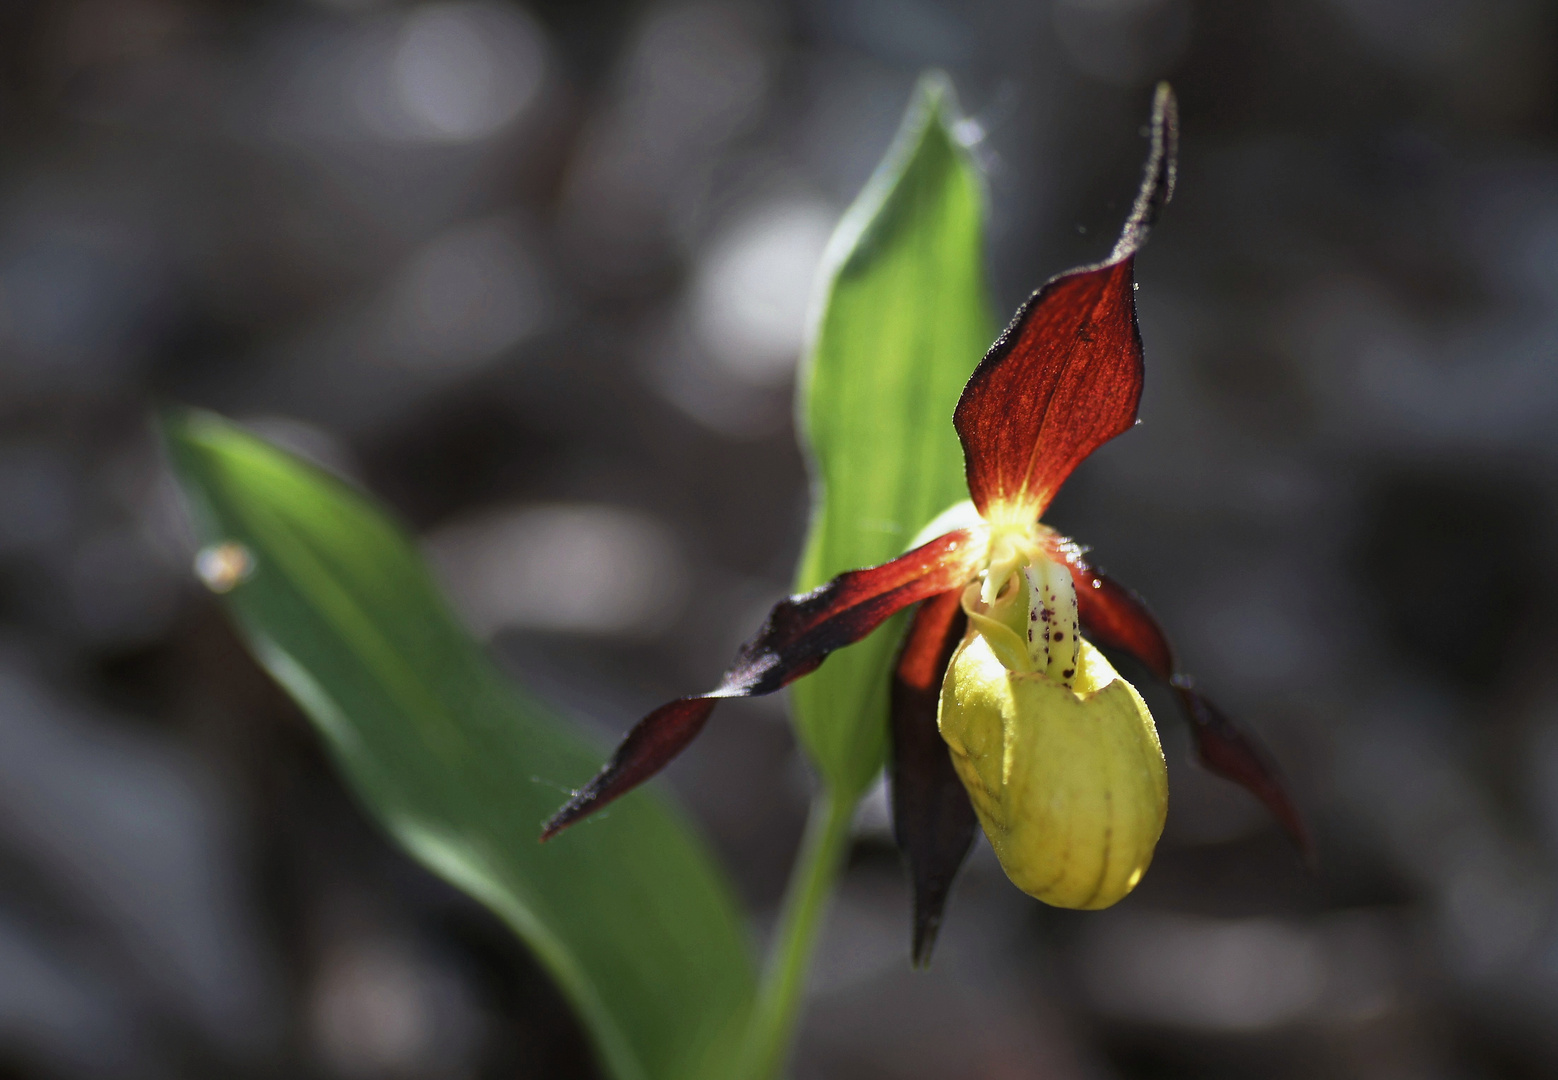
x: 1068, y: 782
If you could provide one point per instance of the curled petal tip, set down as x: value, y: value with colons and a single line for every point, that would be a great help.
x: 1157, y: 185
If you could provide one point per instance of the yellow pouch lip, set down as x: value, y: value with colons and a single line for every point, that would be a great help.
x: 1069, y: 783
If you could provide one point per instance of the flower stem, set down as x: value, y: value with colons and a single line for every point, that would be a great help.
x: 806, y: 898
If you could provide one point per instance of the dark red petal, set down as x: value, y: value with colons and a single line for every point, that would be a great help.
x: 1066, y: 375
x: 798, y: 635
x: 648, y: 748
x: 932, y: 818
x: 1115, y: 616
x: 1237, y: 755
x: 804, y: 629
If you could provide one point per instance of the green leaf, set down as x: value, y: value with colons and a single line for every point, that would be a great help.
x: 629, y: 913
x: 905, y: 320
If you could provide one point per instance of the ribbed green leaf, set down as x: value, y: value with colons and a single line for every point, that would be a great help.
x: 629, y: 913
x: 905, y: 320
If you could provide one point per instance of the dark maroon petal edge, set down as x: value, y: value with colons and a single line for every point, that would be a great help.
x: 798, y: 635
x: 1234, y: 754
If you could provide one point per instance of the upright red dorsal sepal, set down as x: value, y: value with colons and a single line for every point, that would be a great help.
x: 1066, y: 375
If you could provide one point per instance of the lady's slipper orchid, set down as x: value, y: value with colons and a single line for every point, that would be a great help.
x: 1002, y: 711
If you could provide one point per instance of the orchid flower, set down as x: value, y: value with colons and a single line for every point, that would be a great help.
x: 1003, y: 710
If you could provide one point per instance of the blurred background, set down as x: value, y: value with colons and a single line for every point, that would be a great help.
x: 537, y: 275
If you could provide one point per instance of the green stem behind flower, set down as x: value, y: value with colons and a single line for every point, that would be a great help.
x: 806, y: 898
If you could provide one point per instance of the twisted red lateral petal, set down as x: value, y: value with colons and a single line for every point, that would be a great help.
x: 933, y: 820
x: 1114, y: 616
x: 798, y: 635
x: 1066, y: 375
x: 1236, y: 755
